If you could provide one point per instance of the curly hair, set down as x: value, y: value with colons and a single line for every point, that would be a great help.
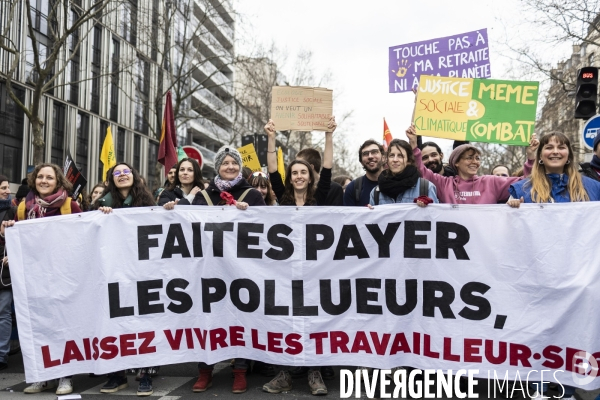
x: 139, y: 192
x: 288, y: 197
x: 198, y: 181
x: 61, y: 181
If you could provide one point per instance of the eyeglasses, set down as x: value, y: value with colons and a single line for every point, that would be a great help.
x: 367, y: 153
x: 260, y: 173
x: 124, y: 172
x: 472, y: 158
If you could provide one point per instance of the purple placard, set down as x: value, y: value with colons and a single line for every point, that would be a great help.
x: 461, y: 56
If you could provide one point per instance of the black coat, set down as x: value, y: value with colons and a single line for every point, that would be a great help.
x: 170, y: 195
x: 6, y: 215
x: 253, y: 198
x: 587, y: 170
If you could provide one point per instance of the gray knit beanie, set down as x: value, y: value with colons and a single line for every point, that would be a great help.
x: 227, y: 151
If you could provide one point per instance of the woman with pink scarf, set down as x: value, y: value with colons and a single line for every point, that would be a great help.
x: 48, y: 197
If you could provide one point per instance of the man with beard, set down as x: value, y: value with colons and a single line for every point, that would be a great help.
x: 432, y: 157
x: 358, y: 192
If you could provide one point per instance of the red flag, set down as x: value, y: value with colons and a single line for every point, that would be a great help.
x: 167, y: 150
x: 387, y: 135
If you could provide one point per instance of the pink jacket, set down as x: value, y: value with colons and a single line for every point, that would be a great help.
x: 486, y: 189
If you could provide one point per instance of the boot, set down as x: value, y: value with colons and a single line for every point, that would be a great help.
x: 239, y: 381
x: 204, y: 380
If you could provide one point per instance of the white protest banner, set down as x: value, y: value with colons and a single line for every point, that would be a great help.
x: 444, y: 287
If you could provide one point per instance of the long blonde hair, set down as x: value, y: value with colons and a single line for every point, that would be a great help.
x: 540, y: 185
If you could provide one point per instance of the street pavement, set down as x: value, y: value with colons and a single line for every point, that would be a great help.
x: 174, y: 382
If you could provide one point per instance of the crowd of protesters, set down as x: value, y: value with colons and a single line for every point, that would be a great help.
x: 404, y: 172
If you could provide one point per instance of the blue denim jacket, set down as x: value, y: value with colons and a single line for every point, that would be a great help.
x: 407, y: 197
x: 559, y: 191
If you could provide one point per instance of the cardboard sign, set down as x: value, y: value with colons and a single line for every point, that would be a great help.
x: 477, y: 110
x: 462, y: 56
x: 73, y: 175
x: 301, y: 108
x: 249, y: 157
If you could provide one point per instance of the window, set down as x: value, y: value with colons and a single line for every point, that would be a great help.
x: 152, y: 157
x: 57, y: 150
x: 11, y: 133
x: 83, y: 135
x: 30, y: 70
x: 120, y: 145
x: 103, y: 128
x: 96, y: 60
x: 128, y: 26
x: 141, y: 96
x: 114, y: 81
x: 137, y: 150
x: 74, y: 65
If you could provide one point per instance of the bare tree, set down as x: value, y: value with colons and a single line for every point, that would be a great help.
x: 66, y: 25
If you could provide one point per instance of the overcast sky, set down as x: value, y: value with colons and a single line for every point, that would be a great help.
x: 352, y: 40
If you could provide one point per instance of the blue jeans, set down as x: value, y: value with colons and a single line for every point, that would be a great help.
x: 5, y: 323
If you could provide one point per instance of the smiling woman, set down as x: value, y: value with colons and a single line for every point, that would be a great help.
x: 554, y: 178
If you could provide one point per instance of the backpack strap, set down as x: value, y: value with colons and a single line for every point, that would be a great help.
x: 376, y: 196
x: 241, y: 198
x: 21, y: 211
x: 207, y: 198
x: 357, y: 188
x: 65, y: 209
x: 424, y: 187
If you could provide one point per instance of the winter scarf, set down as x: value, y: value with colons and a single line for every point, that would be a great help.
x: 392, y: 185
x: 225, y: 186
x: 5, y: 204
x: 37, y: 207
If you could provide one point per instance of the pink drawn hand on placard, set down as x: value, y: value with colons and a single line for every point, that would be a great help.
x: 402, y: 68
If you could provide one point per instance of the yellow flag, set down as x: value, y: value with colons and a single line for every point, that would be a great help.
x: 107, y: 155
x: 280, y: 165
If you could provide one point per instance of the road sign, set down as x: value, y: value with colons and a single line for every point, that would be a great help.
x: 590, y: 130
x: 194, y: 153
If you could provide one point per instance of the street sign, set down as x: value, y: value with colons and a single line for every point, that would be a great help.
x: 590, y: 130
x: 194, y: 153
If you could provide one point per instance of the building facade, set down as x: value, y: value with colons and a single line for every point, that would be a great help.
x: 114, y: 72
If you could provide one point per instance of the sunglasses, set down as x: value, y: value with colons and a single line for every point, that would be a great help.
x: 124, y: 172
x: 259, y: 173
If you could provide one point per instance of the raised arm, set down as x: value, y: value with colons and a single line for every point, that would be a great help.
x: 328, y: 153
x: 271, y: 146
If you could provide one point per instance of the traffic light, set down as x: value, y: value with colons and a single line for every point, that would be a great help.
x: 586, y: 95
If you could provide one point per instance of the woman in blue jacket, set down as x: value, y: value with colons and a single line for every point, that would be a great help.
x: 554, y: 178
x: 400, y: 183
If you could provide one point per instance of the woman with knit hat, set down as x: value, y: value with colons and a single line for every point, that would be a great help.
x: 229, y: 186
x: 467, y: 187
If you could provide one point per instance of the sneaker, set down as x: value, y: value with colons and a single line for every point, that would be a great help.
x: 316, y: 384
x: 145, y: 386
x: 239, y: 381
x: 327, y: 373
x: 281, y: 383
x: 114, y: 384
x: 38, y: 387
x: 65, y: 386
x: 299, y: 372
x: 204, y: 380
x: 153, y: 371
